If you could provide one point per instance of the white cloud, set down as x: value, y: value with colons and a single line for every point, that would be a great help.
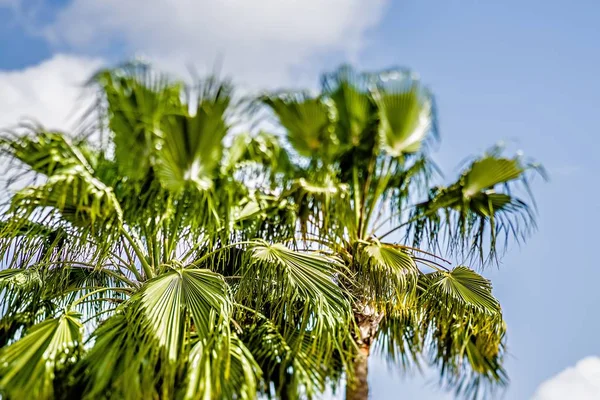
x: 47, y: 93
x: 259, y: 42
x: 581, y: 382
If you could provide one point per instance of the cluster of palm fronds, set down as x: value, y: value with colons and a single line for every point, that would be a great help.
x: 147, y: 259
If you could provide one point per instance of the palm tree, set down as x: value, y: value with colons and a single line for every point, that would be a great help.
x: 147, y: 258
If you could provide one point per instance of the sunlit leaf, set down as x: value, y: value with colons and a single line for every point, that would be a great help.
x: 488, y: 172
x: 308, y: 122
x: 28, y: 366
x: 191, y: 146
x: 405, y: 111
x: 137, y: 101
x: 465, y: 285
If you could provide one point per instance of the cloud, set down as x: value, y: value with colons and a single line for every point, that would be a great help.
x: 47, y: 93
x: 581, y: 382
x: 263, y: 43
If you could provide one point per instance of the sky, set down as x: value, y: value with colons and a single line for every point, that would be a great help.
x: 522, y: 72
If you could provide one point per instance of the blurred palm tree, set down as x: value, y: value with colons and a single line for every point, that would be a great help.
x: 147, y: 258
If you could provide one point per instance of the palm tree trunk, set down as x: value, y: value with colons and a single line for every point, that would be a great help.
x: 358, y: 388
x: 368, y: 321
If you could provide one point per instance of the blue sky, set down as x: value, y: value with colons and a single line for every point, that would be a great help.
x: 524, y: 72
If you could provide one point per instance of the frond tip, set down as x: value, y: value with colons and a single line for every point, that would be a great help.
x: 478, y: 213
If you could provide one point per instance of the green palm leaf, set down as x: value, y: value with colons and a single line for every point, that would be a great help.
x: 204, y: 294
x: 293, y: 362
x: 164, y: 299
x: 48, y: 152
x: 387, y: 274
x: 466, y: 286
x: 161, y: 302
x: 192, y: 145
x: 307, y: 275
x: 405, y: 112
x: 121, y: 362
x: 137, y: 101
x: 308, y: 316
x: 489, y: 172
x: 29, y: 365
x: 350, y: 92
x: 17, y: 286
x: 480, y: 205
x: 400, y: 338
x: 222, y: 367
x: 79, y: 197
x: 308, y: 122
x: 158, y: 322
x: 21, y: 294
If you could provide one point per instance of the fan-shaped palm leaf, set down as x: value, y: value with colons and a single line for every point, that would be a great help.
x: 221, y: 366
x: 387, y: 275
x: 137, y: 101
x: 350, y: 92
x: 466, y: 286
x: 202, y: 292
x: 308, y: 122
x: 489, y: 172
x: 306, y: 275
x: 28, y: 366
x: 405, y: 112
x: 293, y: 362
x: 76, y: 194
x: 192, y: 145
x: 47, y: 152
x: 475, y: 206
x: 168, y: 309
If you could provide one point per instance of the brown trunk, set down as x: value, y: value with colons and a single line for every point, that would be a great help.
x: 358, y: 388
x: 368, y: 321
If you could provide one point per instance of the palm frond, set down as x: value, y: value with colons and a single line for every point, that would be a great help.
x: 308, y: 316
x: 477, y: 210
x: 28, y: 366
x: 77, y: 195
x: 466, y: 286
x: 350, y: 92
x: 386, y: 275
x: 46, y: 152
x: 308, y: 122
x: 400, y: 340
x: 16, y: 285
x: 294, y: 363
x: 158, y: 322
x: 489, y: 172
x: 137, y: 99
x: 297, y: 275
x: 22, y: 305
x: 405, y: 112
x: 202, y: 292
x: 120, y: 363
x: 221, y: 366
x: 466, y: 331
x: 192, y: 145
